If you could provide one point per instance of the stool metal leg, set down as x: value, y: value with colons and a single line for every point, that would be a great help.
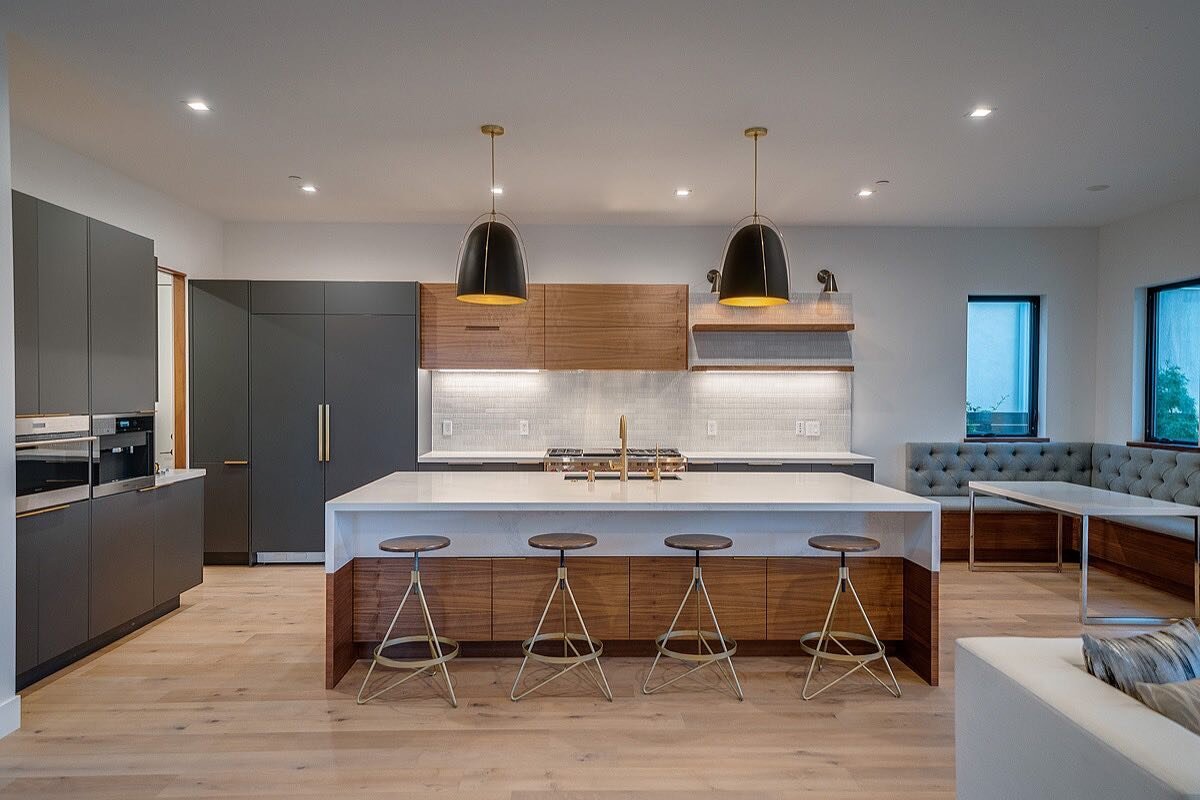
x: 437, y: 658
x: 828, y: 636
x: 571, y: 657
x: 701, y: 660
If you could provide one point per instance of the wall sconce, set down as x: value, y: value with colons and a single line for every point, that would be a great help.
x: 827, y: 281
x: 714, y: 278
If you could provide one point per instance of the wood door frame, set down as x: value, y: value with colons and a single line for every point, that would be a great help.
x: 179, y: 345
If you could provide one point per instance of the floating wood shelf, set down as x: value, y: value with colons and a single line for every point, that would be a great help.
x: 772, y: 368
x: 773, y: 327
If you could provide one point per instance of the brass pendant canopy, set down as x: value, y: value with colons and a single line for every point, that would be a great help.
x: 491, y: 258
x: 754, y: 267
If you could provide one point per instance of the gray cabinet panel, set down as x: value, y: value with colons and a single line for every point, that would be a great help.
x: 122, y: 566
x: 123, y: 319
x: 370, y: 389
x: 287, y: 297
x: 62, y: 310
x: 25, y: 301
x: 370, y: 297
x: 62, y: 579
x: 286, y: 390
x: 178, y: 538
x: 763, y: 467
x: 864, y: 471
x: 220, y: 380
x: 27, y: 594
x: 226, y: 510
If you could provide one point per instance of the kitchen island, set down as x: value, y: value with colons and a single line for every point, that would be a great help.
x: 769, y: 589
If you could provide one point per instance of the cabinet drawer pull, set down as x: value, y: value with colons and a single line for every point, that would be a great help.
x: 236, y: 462
x: 40, y: 511
x: 148, y: 489
x: 483, y: 327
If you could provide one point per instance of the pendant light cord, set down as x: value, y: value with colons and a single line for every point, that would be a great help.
x: 756, y: 176
x: 492, y: 188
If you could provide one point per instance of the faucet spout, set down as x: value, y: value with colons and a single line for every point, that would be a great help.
x: 624, y: 450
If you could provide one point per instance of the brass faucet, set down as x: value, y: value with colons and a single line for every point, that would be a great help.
x: 624, y: 450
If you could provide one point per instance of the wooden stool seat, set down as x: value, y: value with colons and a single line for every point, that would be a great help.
x: 413, y: 544
x: 562, y: 541
x: 843, y: 543
x: 698, y: 541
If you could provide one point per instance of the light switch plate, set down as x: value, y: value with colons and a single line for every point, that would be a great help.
x: 712, y: 427
x: 447, y: 427
x: 524, y: 427
x: 799, y: 427
x: 812, y: 428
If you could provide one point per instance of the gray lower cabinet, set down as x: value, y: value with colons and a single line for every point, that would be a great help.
x: 178, y: 538
x: 52, y: 583
x: 287, y: 482
x: 491, y: 466
x: 50, y: 265
x: 123, y: 319
x: 122, y: 562
x: 226, y: 512
x: 864, y: 471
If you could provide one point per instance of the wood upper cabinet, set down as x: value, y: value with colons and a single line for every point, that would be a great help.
x: 616, y: 326
x: 457, y: 335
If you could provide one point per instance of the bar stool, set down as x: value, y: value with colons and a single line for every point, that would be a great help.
x: 704, y: 638
x: 571, y: 656
x: 437, y: 656
x: 826, y: 638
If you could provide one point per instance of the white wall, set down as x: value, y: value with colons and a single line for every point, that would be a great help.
x: 184, y: 239
x: 1159, y: 246
x: 910, y: 288
x: 10, y: 702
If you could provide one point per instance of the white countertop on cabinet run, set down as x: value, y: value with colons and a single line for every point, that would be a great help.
x: 177, y: 475
x: 493, y: 513
x: 699, y: 456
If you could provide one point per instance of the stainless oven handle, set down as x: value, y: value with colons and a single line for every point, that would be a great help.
x: 44, y: 442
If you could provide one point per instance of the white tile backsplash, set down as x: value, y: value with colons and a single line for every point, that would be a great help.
x: 753, y: 411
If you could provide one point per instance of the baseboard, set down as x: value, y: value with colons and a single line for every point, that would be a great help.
x: 10, y: 715
x: 226, y: 559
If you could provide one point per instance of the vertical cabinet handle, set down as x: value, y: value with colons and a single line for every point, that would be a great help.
x: 328, y: 451
x: 320, y: 432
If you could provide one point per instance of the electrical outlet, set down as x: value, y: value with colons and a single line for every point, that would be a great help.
x: 812, y: 428
x: 712, y: 427
x: 799, y: 428
x: 524, y: 427
x: 447, y: 427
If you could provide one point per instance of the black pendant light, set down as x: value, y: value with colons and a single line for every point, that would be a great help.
x: 491, y: 258
x: 754, y: 269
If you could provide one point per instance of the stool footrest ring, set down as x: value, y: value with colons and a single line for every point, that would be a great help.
x: 415, y: 663
x: 874, y: 654
x: 596, y: 648
x: 728, y: 646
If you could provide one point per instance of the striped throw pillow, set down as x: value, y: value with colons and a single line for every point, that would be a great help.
x: 1179, y: 702
x: 1170, y: 655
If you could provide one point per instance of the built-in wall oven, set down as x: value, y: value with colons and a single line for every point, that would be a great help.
x: 54, y: 461
x: 123, y: 452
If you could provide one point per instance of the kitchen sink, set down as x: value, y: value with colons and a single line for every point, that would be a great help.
x: 612, y: 476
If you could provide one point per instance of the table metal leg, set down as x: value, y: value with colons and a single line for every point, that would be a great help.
x: 1099, y: 620
x: 1083, y: 569
x: 1059, y: 542
x: 1006, y: 566
x: 971, y: 542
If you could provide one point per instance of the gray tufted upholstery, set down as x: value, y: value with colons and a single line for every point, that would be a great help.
x: 943, y: 469
x: 1161, y: 474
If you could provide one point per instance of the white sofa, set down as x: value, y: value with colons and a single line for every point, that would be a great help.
x: 1030, y: 724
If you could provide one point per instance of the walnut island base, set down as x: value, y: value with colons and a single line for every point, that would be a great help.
x: 486, y: 589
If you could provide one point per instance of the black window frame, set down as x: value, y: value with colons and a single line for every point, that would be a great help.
x: 1035, y: 352
x: 1150, y: 377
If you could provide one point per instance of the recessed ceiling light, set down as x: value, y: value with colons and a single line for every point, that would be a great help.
x: 865, y: 192
x: 683, y: 192
x: 1099, y: 187
x: 308, y: 187
x: 979, y: 112
x: 497, y: 190
x: 197, y: 105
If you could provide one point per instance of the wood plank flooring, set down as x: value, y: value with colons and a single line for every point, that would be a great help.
x: 224, y: 698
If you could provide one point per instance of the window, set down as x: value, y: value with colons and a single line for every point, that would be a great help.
x: 1002, y: 366
x: 1173, y: 362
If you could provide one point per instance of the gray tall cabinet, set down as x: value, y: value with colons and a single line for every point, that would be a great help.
x: 309, y: 391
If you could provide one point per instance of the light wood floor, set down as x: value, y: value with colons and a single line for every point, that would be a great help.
x: 224, y: 698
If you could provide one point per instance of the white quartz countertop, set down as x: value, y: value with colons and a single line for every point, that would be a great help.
x: 177, y: 475
x: 695, y: 491
x: 699, y: 456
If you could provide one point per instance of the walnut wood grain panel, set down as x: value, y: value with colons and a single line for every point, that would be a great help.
x: 339, y: 624
x: 1002, y: 535
x: 520, y: 587
x: 456, y: 335
x: 458, y: 590
x: 616, y: 326
x: 1148, y: 557
x: 922, y: 621
x: 737, y: 586
x: 799, y: 591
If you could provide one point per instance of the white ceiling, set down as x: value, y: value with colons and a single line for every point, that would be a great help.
x: 611, y: 105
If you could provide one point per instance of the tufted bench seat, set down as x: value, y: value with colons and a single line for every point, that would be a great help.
x: 1155, y: 550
